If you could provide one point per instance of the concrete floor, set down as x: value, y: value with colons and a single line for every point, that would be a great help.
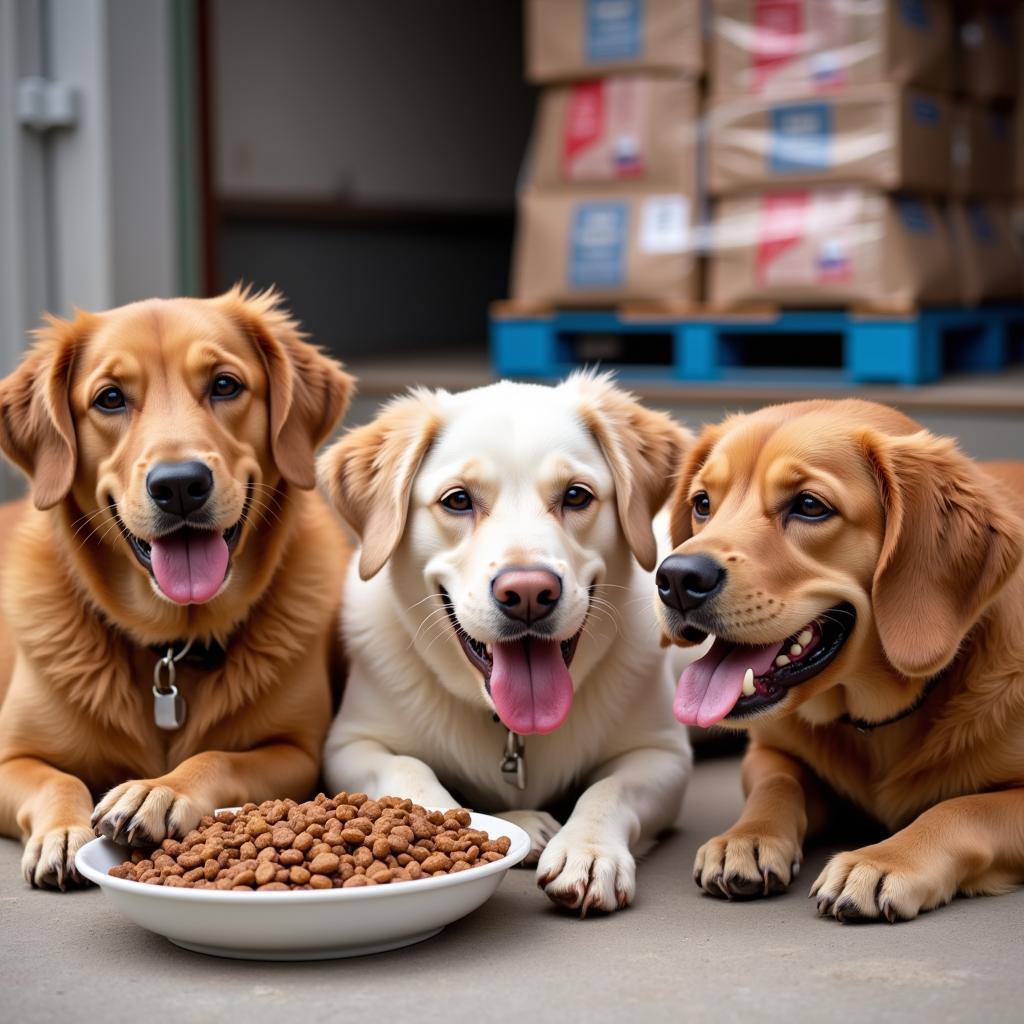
x: 674, y: 956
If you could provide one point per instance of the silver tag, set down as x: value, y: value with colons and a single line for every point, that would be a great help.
x: 513, y: 764
x: 169, y: 710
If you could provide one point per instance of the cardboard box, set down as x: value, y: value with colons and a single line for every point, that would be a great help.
x: 625, y: 128
x: 982, y: 153
x: 594, y: 246
x: 759, y: 47
x: 1018, y: 148
x: 987, y: 258
x: 836, y: 246
x: 881, y: 136
x: 568, y: 40
x: 987, y: 62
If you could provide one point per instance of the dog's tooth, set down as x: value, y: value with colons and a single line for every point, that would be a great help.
x: 796, y: 650
x: 805, y: 637
x: 748, y: 683
x: 781, y: 661
x: 487, y: 647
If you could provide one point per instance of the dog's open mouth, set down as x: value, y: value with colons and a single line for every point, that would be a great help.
x: 190, y: 563
x: 739, y: 680
x: 527, y: 677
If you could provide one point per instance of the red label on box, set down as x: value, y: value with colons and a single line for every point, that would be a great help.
x: 782, y: 224
x: 584, y: 122
x: 603, y: 129
x: 778, y: 27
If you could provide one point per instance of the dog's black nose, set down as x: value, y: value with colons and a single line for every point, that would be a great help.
x: 180, y: 487
x: 686, y: 581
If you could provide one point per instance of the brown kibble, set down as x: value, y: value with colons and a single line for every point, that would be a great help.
x: 436, y: 862
x: 349, y: 840
x: 325, y: 864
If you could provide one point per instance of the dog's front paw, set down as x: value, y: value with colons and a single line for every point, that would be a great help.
x: 144, y: 813
x: 49, y: 858
x: 881, y: 883
x: 539, y: 826
x: 745, y: 863
x: 584, y: 872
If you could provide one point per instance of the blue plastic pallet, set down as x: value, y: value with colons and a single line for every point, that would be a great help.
x: 907, y: 350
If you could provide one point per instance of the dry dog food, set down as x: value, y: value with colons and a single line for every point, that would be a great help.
x: 327, y: 843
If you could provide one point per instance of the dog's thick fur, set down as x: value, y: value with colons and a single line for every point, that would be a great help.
x: 83, y: 620
x: 926, y: 545
x: 417, y: 719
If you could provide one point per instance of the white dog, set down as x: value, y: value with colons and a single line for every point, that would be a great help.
x: 504, y: 574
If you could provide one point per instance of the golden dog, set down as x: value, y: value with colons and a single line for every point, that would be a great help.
x: 864, y: 584
x: 169, y: 444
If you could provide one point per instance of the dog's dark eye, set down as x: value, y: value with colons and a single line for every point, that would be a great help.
x: 457, y: 500
x: 807, y: 506
x: 701, y: 505
x: 110, y: 400
x: 577, y: 497
x: 225, y: 386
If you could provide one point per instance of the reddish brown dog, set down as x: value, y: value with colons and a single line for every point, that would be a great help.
x: 170, y: 449
x: 863, y: 581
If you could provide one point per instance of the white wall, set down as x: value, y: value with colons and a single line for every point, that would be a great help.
x: 400, y: 102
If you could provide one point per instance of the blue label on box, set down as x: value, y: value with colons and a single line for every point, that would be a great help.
x: 925, y: 110
x: 613, y: 30
x: 597, y: 245
x: 981, y: 225
x: 915, y: 13
x: 801, y: 138
x: 915, y: 215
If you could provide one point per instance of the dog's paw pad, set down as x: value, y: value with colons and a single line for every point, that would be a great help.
x: 144, y: 814
x: 49, y: 858
x: 585, y: 875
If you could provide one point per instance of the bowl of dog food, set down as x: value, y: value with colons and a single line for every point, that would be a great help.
x: 333, y: 877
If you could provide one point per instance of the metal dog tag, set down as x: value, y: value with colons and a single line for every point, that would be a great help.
x: 169, y: 710
x: 513, y: 764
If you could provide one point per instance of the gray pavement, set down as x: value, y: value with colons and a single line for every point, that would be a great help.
x: 675, y: 956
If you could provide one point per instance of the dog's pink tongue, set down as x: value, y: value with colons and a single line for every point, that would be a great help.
x: 709, y: 688
x: 190, y: 565
x: 530, y: 685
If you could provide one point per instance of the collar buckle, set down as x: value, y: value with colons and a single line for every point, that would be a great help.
x: 513, y: 763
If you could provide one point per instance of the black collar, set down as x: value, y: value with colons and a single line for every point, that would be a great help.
x: 200, y: 656
x: 863, y: 725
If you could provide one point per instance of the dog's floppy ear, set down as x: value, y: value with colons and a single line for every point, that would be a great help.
x: 308, y: 391
x: 680, y: 518
x: 369, y: 472
x: 37, y: 432
x: 644, y: 449
x: 949, y: 547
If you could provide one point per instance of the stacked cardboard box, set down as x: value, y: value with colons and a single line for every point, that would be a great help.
x: 830, y: 143
x: 609, y: 195
x: 988, y: 261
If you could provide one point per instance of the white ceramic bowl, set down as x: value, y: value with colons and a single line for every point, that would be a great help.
x: 304, y: 925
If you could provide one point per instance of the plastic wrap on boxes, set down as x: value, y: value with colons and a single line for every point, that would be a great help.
x: 876, y: 135
x: 982, y: 153
x: 625, y: 128
x: 987, y: 258
x: 987, y: 61
x: 835, y: 246
x: 574, y: 39
x: 601, y: 246
x: 759, y: 47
